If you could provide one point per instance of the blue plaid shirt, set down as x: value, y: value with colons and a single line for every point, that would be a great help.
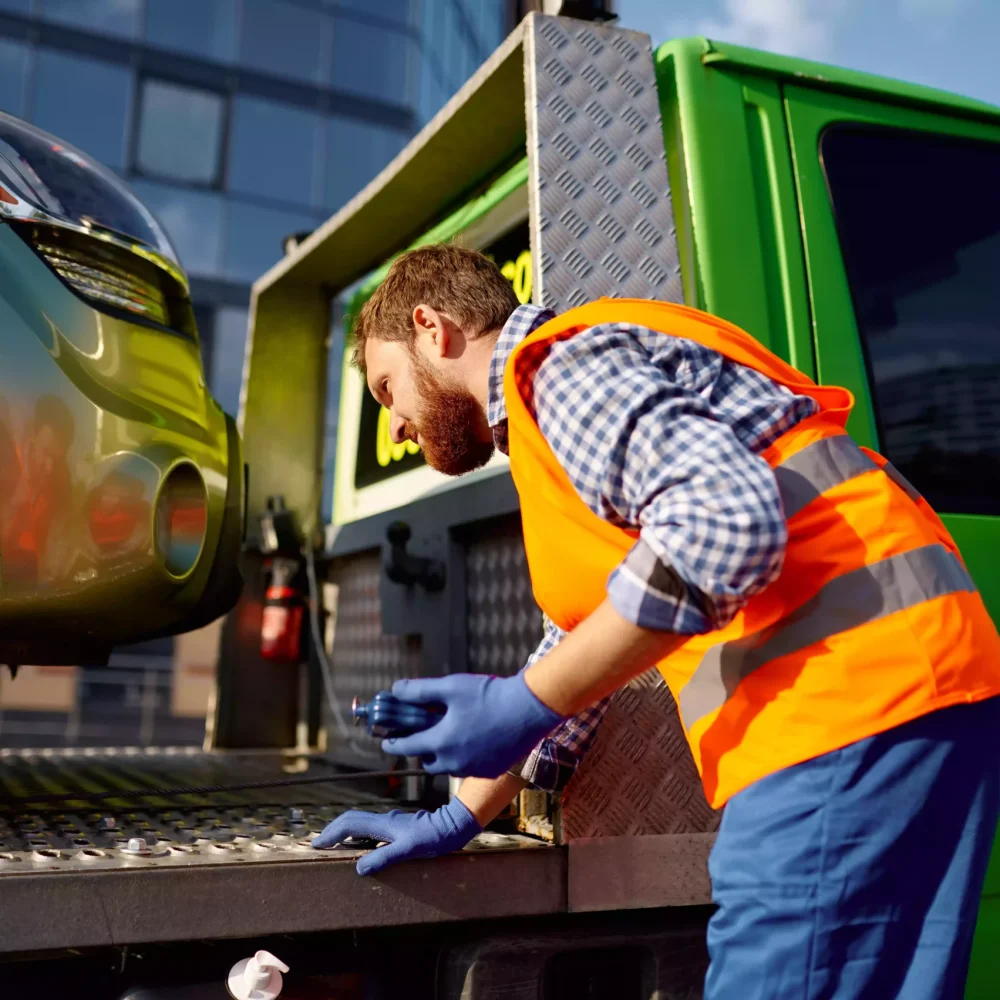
x: 662, y: 435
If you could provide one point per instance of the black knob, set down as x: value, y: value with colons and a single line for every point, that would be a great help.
x: 398, y: 533
x: 405, y: 569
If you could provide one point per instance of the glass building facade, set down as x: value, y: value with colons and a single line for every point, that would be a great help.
x: 238, y: 123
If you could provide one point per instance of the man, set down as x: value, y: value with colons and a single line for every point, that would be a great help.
x: 692, y: 502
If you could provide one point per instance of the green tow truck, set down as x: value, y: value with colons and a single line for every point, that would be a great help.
x: 849, y: 222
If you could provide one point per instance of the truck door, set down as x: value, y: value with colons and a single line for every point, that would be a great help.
x: 901, y: 223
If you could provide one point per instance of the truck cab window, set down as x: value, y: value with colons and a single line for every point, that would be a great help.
x: 918, y: 218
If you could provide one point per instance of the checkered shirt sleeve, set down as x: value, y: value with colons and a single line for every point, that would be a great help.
x: 554, y: 761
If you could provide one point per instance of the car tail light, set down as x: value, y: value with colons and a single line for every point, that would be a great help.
x: 112, y: 278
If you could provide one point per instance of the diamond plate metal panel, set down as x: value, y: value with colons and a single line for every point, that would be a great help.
x: 639, y: 778
x: 365, y: 661
x: 170, y: 831
x: 602, y: 224
x: 175, y: 830
x: 601, y: 219
x: 504, y: 625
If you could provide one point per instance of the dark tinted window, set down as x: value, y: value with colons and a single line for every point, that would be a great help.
x: 372, y: 61
x: 180, y: 133
x: 92, y: 112
x: 399, y: 11
x: 108, y: 17
x: 356, y: 152
x: 202, y: 27
x: 13, y: 70
x: 918, y: 217
x: 226, y: 365
x: 193, y: 220
x: 255, y: 236
x: 275, y: 151
x: 286, y: 39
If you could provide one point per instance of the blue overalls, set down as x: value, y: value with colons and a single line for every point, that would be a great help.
x: 857, y: 875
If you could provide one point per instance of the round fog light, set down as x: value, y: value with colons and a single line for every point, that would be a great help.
x: 181, y: 519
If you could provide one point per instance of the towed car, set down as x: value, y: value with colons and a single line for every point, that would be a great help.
x: 122, y: 484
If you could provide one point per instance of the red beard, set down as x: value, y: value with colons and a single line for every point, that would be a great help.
x: 451, y: 425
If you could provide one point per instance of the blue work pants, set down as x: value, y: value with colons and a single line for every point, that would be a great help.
x: 857, y: 875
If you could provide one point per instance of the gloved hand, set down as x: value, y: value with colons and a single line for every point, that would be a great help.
x: 489, y: 723
x: 410, y: 835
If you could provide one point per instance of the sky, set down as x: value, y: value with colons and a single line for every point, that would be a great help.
x: 951, y: 44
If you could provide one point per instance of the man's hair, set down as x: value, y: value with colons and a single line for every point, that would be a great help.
x: 463, y: 284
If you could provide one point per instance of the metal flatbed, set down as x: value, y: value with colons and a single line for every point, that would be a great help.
x: 239, y: 864
x: 222, y: 864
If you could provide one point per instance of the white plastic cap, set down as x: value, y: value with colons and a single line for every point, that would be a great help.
x: 257, y: 978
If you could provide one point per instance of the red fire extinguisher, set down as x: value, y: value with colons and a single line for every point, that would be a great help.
x: 284, y: 607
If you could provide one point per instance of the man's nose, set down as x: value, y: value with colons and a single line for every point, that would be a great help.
x: 397, y: 429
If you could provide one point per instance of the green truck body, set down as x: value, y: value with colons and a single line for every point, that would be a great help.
x: 762, y: 153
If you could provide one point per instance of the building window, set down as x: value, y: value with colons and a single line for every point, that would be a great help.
x: 92, y: 112
x: 204, y: 319
x: 13, y: 71
x: 275, y: 151
x: 356, y: 152
x: 204, y: 28
x: 923, y: 277
x: 285, y: 39
x: 193, y: 221
x: 226, y: 366
x: 399, y: 12
x: 254, y: 238
x: 104, y: 17
x: 372, y: 62
x: 180, y: 133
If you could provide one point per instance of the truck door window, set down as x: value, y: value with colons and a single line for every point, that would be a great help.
x: 918, y: 218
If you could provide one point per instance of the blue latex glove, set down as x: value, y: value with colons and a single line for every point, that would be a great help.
x: 489, y: 723
x: 410, y: 835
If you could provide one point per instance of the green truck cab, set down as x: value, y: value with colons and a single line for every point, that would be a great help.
x: 852, y: 224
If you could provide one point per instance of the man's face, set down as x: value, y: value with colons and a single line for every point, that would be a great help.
x: 429, y: 406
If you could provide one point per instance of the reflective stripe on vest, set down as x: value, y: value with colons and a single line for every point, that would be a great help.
x: 809, y: 473
x: 826, y: 463
x: 856, y: 598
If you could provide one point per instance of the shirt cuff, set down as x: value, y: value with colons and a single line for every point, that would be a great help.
x: 549, y: 767
x: 652, y: 595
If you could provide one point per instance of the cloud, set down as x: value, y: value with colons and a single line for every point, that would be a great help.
x: 800, y: 28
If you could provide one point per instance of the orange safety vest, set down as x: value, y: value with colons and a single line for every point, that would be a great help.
x: 872, y: 622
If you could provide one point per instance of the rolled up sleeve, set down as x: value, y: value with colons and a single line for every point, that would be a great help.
x: 639, y: 437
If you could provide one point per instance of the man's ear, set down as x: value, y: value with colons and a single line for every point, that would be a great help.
x: 432, y: 329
